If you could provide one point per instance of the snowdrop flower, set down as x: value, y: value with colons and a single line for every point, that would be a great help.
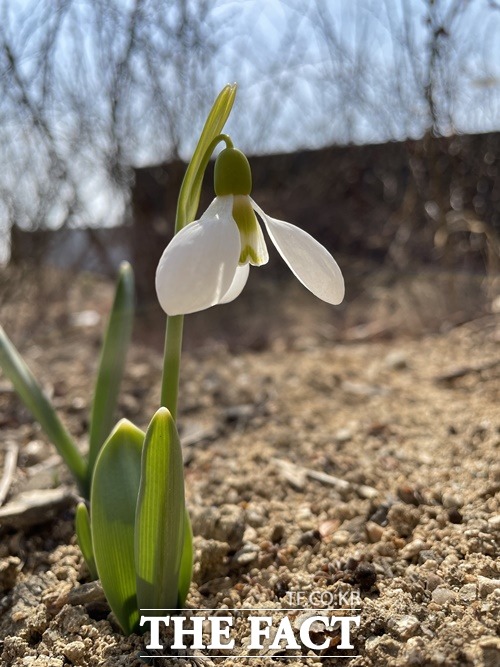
x: 208, y: 261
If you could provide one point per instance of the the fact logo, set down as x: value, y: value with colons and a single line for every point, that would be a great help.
x: 324, y: 630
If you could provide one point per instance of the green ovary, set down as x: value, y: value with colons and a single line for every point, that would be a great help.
x: 253, y: 248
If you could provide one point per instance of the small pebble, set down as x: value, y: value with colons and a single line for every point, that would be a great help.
x: 86, y: 594
x: 224, y: 524
x: 9, y: 569
x: 486, y: 586
x: 410, y: 495
x: 310, y: 537
x: 433, y: 581
x: 280, y: 589
x: 250, y: 534
x: 381, y: 646
x: 303, y: 513
x: 365, y: 576
x: 277, y: 533
x: 396, y: 360
x: 442, y: 595
x: 75, y: 651
x: 413, y: 549
x: 405, y: 626
x: 343, y: 435
x: 246, y: 555
x: 374, y: 531
x: 34, y: 452
x: 427, y: 555
x: 341, y: 537
x: 85, y: 318
x: 451, y: 502
x: 415, y: 652
x: 454, y: 515
x: 494, y: 523
x: 468, y: 593
x: 380, y: 514
x: 328, y: 527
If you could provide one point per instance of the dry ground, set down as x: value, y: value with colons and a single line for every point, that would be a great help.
x: 340, y: 456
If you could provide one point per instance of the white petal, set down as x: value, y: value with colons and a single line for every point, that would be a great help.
x: 311, y: 263
x: 239, y: 282
x: 198, y: 266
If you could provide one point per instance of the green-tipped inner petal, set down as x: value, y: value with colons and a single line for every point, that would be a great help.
x: 253, y: 245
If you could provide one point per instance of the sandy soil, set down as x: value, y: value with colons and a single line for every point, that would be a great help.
x: 315, y: 464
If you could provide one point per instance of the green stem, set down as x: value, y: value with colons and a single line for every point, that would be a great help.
x: 174, y: 328
x: 172, y: 363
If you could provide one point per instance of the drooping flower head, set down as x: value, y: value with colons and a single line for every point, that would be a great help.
x: 208, y: 261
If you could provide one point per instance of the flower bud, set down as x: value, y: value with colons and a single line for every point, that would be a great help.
x: 232, y: 174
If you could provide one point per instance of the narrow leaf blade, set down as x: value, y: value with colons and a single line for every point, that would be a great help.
x: 84, y: 537
x: 112, y: 363
x: 115, y: 486
x: 41, y: 408
x: 159, y: 532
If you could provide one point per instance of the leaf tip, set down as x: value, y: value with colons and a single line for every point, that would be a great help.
x: 164, y: 414
x: 125, y: 267
x: 124, y: 426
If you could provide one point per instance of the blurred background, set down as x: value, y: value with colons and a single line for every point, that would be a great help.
x: 372, y: 124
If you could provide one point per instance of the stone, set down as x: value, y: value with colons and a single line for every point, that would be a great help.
x: 343, y: 435
x: 415, y: 652
x: 75, y: 652
x: 450, y: 501
x: 494, y: 523
x: 374, y: 531
x: 90, y: 593
x: 378, y: 648
x: 486, y: 586
x: 341, y: 537
x: 9, y: 569
x: 468, y: 593
x: 404, y: 518
x: 85, y: 318
x: 413, y: 549
x: 396, y: 360
x: 442, y: 595
x: 433, y: 580
x: 224, y: 524
x: 246, y: 555
x: 210, y: 561
x: 405, y: 626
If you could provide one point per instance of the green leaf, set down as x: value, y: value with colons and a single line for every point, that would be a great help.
x: 112, y: 364
x: 39, y: 405
x: 189, y: 196
x: 113, y: 501
x: 186, y: 569
x: 159, y: 530
x: 84, y: 537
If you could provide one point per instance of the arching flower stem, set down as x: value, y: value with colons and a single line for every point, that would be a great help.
x: 198, y: 179
x: 188, y: 199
